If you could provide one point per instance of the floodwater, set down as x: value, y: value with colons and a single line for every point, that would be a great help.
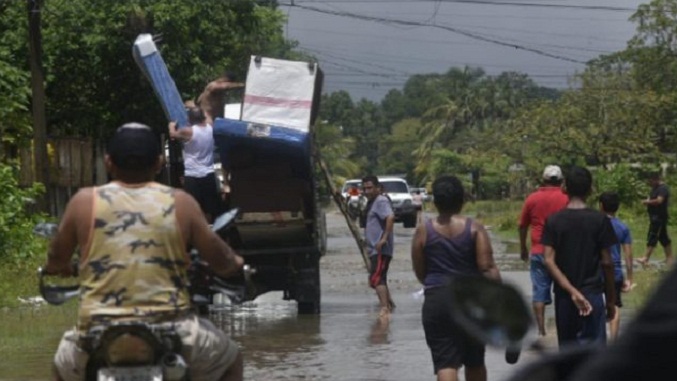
x: 346, y: 341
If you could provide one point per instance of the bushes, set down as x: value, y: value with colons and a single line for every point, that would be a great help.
x: 622, y: 179
x: 20, y: 251
x: 16, y: 222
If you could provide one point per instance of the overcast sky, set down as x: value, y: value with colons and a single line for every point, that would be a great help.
x: 368, y: 47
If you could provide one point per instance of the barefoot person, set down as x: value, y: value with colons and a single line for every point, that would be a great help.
x: 657, y: 208
x: 378, y: 234
x: 447, y: 246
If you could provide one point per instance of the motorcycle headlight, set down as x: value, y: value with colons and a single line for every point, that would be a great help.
x: 128, y: 349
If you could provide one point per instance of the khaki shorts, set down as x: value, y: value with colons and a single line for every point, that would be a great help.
x: 207, y: 349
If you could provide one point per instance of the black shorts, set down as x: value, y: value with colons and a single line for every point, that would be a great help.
x: 378, y: 269
x: 658, y: 232
x: 449, y: 345
x: 205, y: 192
x: 618, y: 285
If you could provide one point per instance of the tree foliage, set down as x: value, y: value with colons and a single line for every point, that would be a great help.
x: 16, y: 219
x: 92, y: 82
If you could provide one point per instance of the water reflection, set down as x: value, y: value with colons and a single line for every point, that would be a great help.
x: 380, y: 331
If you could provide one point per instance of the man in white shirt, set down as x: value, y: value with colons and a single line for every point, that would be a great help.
x: 198, y: 161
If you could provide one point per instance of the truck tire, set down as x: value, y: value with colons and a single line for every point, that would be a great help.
x: 409, y: 221
x: 309, y: 308
x: 308, y: 290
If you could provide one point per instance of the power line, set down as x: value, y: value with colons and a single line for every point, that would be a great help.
x: 485, y: 2
x: 448, y: 28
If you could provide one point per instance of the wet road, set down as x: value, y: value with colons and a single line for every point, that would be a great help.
x: 345, y: 342
x: 348, y: 341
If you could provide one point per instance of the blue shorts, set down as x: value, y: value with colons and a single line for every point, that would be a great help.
x: 572, y: 328
x: 541, y: 282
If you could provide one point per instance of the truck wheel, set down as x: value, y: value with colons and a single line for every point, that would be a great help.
x: 308, y: 308
x: 308, y: 292
x: 409, y: 221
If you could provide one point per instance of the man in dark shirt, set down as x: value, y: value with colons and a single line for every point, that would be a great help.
x: 657, y: 207
x: 577, y: 241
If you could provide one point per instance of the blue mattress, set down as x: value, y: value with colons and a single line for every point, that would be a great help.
x: 150, y: 61
x: 271, y: 140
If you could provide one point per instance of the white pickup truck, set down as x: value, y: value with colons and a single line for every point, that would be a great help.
x: 398, y: 190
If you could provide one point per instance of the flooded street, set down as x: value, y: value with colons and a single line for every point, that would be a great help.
x: 345, y: 342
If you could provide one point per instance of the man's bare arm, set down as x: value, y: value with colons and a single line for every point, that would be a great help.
x: 524, y: 251
x: 183, y: 134
x: 654, y: 201
x: 390, y: 223
x: 221, y: 258
x: 74, y: 224
x: 627, y: 253
x: 223, y: 85
x: 583, y: 305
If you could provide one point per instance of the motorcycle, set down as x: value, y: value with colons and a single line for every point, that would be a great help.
x: 497, y: 315
x: 128, y: 350
x: 356, y: 205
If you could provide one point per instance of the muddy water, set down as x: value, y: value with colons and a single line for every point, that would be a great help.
x: 346, y: 342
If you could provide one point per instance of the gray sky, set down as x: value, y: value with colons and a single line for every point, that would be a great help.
x: 382, y: 42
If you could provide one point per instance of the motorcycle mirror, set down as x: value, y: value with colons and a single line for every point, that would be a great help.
x: 45, y: 229
x: 492, y: 312
x: 56, y: 295
x: 225, y: 219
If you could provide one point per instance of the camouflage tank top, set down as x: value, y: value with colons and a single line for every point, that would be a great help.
x: 135, y: 268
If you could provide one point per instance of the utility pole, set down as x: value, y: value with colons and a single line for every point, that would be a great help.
x: 40, y: 158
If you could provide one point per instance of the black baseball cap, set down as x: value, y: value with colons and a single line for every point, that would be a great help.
x: 134, y: 146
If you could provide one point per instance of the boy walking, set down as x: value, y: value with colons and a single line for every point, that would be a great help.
x: 609, y: 203
x: 577, y: 241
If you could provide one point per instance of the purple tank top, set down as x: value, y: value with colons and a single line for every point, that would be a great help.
x: 446, y: 257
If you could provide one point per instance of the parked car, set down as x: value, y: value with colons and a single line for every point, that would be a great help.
x: 398, y: 190
x: 426, y: 197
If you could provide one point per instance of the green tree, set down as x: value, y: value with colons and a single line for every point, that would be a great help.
x: 93, y: 83
x: 15, y: 127
x: 336, y: 150
x: 397, y: 149
x: 606, y: 121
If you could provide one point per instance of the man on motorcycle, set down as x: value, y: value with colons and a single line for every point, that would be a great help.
x: 132, y: 234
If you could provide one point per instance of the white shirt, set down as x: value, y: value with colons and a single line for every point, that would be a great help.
x: 198, y: 152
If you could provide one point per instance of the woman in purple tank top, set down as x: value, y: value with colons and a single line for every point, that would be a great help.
x: 450, y: 245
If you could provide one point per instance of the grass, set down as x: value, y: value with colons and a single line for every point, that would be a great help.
x: 29, y: 337
x: 19, y: 279
x: 502, y: 218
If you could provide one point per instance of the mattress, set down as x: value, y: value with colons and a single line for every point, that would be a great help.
x: 150, y: 62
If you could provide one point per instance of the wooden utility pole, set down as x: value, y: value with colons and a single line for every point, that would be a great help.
x: 41, y: 160
x: 338, y: 199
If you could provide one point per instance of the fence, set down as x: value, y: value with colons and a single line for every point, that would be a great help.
x: 73, y: 164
